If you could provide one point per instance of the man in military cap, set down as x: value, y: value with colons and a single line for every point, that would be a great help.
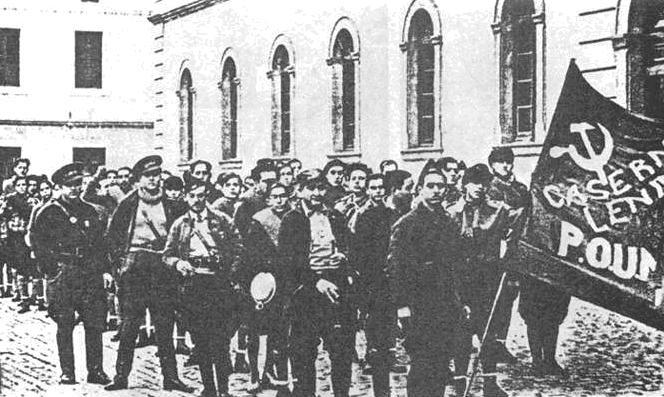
x: 204, y: 246
x: 312, y: 242
x: 486, y: 228
x: 136, y: 237
x: 67, y: 231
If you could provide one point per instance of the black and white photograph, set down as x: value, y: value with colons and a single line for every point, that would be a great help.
x: 343, y: 198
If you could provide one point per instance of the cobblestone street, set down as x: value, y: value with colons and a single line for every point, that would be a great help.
x: 606, y: 355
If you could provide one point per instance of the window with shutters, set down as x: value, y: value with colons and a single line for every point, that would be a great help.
x: 229, y: 90
x: 88, y: 63
x: 344, y: 63
x: 421, y: 78
x: 186, y: 115
x: 517, y: 71
x: 9, y: 57
x: 282, y: 86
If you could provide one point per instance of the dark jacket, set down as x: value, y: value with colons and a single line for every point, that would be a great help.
x: 371, y: 242
x: 421, y: 258
x: 226, y: 239
x: 294, y: 243
x: 121, y: 227
x: 71, y: 233
x: 513, y: 193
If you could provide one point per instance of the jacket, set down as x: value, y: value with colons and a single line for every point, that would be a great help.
x: 226, y: 239
x: 371, y: 242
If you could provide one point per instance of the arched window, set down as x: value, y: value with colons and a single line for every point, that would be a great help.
x: 421, y: 71
x: 517, y: 71
x: 281, y: 76
x: 645, y: 58
x: 343, y: 62
x: 186, y: 96
x: 229, y: 86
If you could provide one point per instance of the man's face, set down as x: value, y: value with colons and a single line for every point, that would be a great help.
x: 249, y: 183
x: 150, y: 180
x: 286, y: 176
x: 433, y: 189
x: 231, y: 189
x: 357, y: 182
x: 407, y: 187
x: 267, y: 179
x: 33, y: 187
x: 195, y: 199
x: 475, y: 191
x: 71, y: 190
x: 376, y: 190
x: 502, y: 168
x: 313, y: 195
x: 451, y: 172
x: 45, y: 191
x: 201, y: 173
x: 296, y: 166
x: 278, y: 199
x: 123, y: 178
x: 112, y: 178
x: 21, y: 169
x: 335, y: 175
x: 21, y: 186
x: 173, y: 194
x: 104, y: 186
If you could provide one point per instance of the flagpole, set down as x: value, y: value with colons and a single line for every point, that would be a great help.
x: 473, y: 364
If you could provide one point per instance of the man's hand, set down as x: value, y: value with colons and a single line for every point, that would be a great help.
x: 329, y: 289
x: 338, y: 256
x: 466, y: 311
x: 185, y: 268
x: 403, y: 319
x: 403, y: 312
x: 108, y: 280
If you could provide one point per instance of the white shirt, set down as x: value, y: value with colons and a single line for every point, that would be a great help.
x: 196, y: 246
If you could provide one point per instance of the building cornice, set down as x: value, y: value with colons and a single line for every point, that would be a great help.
x: 79, y: 124
x: 182, y: 11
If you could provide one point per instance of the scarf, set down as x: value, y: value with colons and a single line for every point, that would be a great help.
x: 148, y: 197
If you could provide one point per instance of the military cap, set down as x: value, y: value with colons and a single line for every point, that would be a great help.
x: 68, y: 174
x: 500, y: 154
x: 310, y: 177
x: 147, y: 164
x: 479, y: 173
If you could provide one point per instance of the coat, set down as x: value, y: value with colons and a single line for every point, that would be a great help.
x: 371, y: 242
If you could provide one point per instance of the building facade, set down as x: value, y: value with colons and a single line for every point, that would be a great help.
x: 75, y: 82
x: 408, y: 80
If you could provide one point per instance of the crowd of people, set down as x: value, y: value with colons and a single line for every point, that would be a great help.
x: 297, y: 255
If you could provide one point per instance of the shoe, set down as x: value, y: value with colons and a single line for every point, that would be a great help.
x: 537, y: 369
x: 118, y: 384
x: 67, y: 379
x: 6, y: 293
x: 112, y: 325
x: 116, y: 337
x: 24, y: 307
x: 192, y: 361
x: 241, y: 366
x: 144, y: 339
x: 502, y: 355
x: 253, y: 387
x: 16, y: 298
x: 99, y: 378
x: 553, y: 368
x: 41, y: 306
x: 182, y: 349
x: 224, y: 394
x: 176, y: 384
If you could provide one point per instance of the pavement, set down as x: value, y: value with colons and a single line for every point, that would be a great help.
x: 606, y: 355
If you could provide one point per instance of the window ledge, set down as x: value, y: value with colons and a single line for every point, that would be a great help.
x: 421, y: 153
x: 231, y: 164
x: 12, y: 90
x: 90, y: 92
x: 524, y: 149
x: 343, y: 155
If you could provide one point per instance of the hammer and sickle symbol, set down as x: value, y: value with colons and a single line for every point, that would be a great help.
x: 595, y: 161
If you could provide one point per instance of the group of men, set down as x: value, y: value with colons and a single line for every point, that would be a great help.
x: 300, y: 256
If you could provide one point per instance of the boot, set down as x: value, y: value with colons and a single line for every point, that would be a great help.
x: 503, y: 355
x: 119, y: 383
x: 67, y: 379
x: 144, y: 340
x: 490, y: 388
x: 24, y: 307
x: 551, y: 367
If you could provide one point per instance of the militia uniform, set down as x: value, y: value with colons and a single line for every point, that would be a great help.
x: 209, y: 242
x: 421, y: 255
x: 136, y: 237
x: 67, y: 232
x: 310, y: 241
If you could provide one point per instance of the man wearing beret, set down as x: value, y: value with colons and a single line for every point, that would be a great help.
x: 67, y: 231
x: 204, y: 246
x: 486, y: 227
x: 312, y: 244
x: 421, y: 254
x: 136, y: 238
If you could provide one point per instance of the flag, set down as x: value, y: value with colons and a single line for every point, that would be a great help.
x: 596, y: 228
